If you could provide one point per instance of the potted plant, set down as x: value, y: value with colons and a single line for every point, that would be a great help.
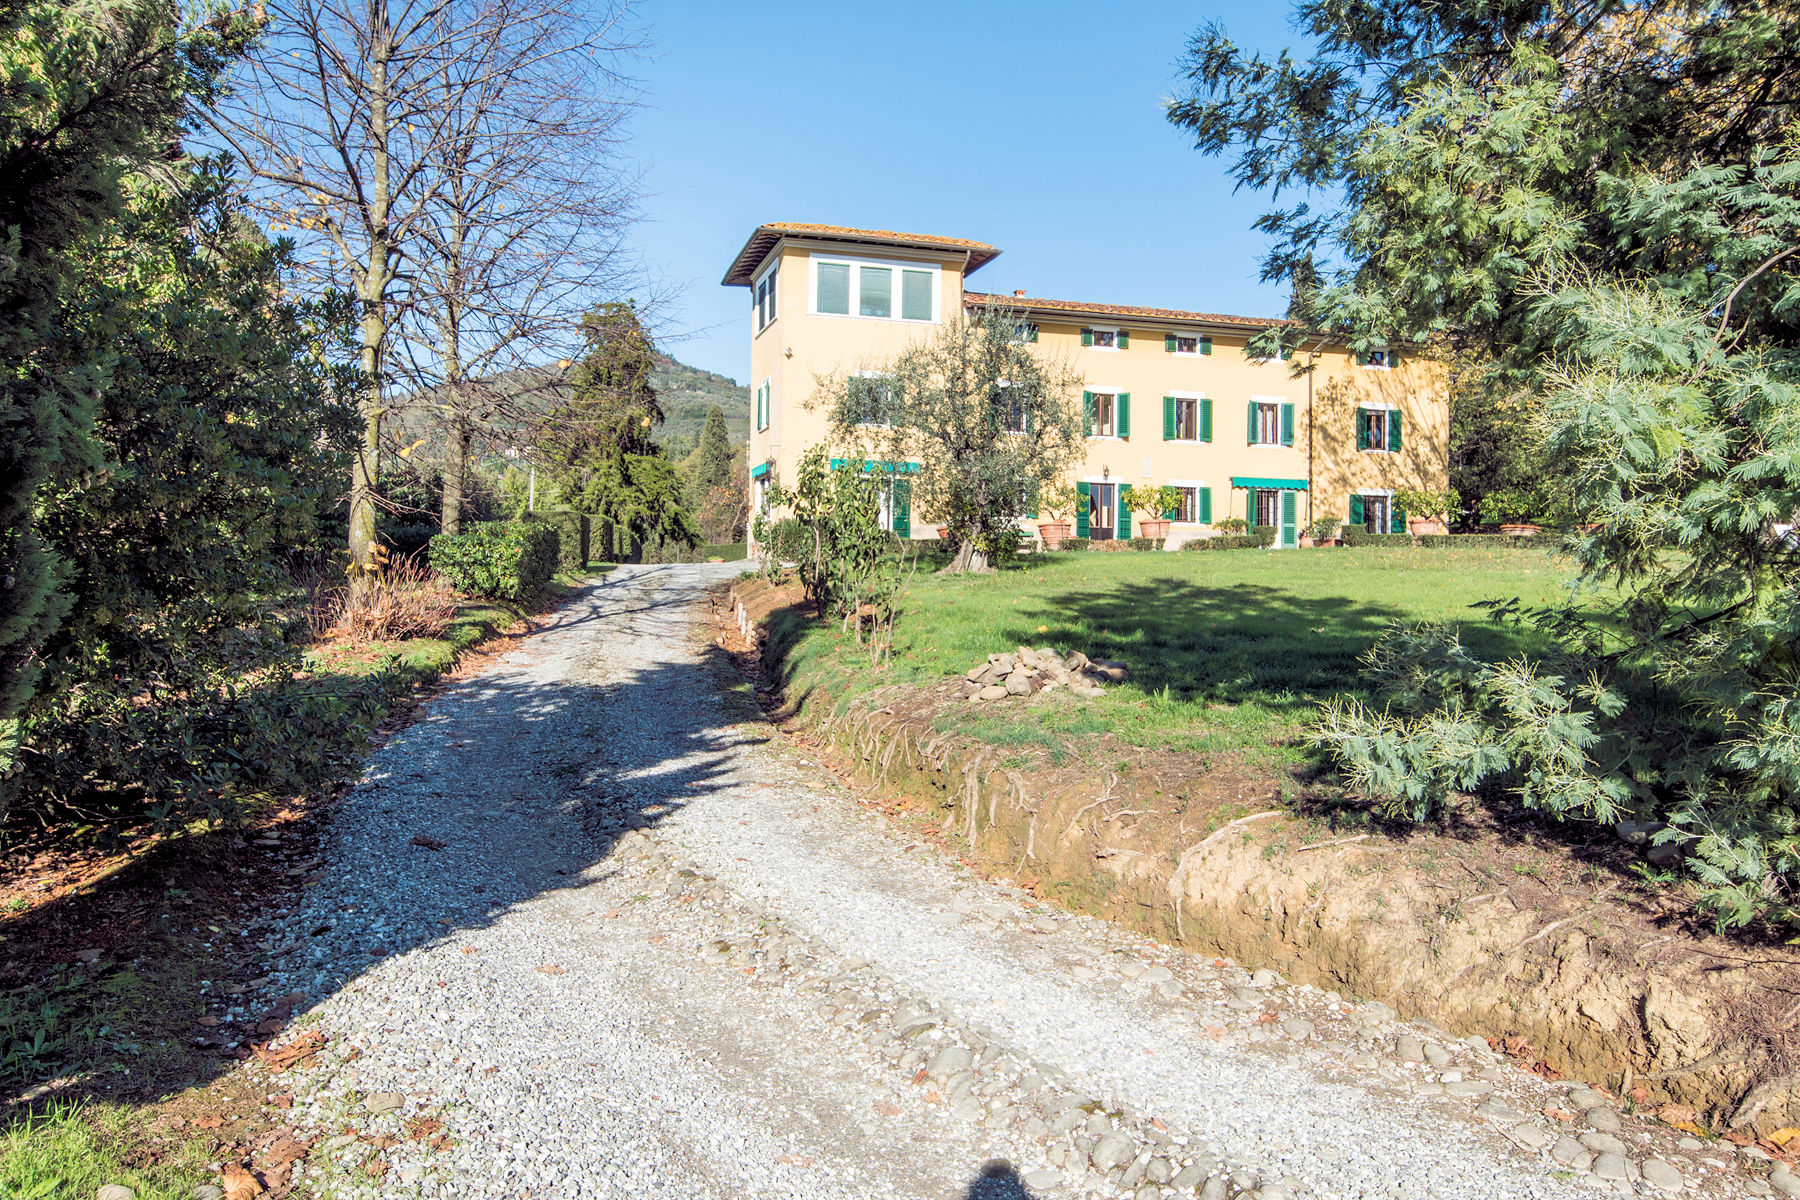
x: 1153, y: 505
x: 1426, y: 509
x: 1322, y: 532
x: 1059, y: 504
x: 1511, y: 509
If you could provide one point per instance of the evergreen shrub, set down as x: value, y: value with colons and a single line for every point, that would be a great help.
x: 504, y: 560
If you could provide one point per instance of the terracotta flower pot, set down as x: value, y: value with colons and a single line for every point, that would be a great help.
x: 1054, y: 533
x: 1521, y: 530
x: 1425, y: 526
x: 943, y: 532
x: 1153, y: 529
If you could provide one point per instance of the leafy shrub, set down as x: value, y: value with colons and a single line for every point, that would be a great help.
x: 786, y: 539
x: 1323, y: 529
x: 1231, y: 525
x: 1144, y: 543
x: 408, y: 537
x: 573, y: 532
x: 1548, y: 540
x: 507, y: 560
x: 1076, y: 544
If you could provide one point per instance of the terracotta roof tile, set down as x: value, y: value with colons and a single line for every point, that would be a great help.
x: 764, y: 238
x: 977, y: 299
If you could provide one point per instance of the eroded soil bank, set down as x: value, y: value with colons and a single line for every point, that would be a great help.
x: 1553, y: 946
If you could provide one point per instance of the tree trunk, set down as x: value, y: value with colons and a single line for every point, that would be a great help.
x: 456, y: 470
x: 368, y: 454
x: 373, y: 294
x: 968, y: 560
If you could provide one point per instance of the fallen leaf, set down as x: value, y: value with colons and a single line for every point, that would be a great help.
x: 287, y: 1150
x: 794, y: 1160
x: 552, y: 969
x: 1781, y: 1137
x: 920, y: 1076
x: 427, y: 841
x: 299, y: 1050
x: 208, y: 1122
x: 382, y: 1141
x: 1640, y: 1094
x: 209, y: 1022
x: 1267, y: 1018
x: 1215, y: 1032
x: 238, y: 1183
x: 376, y: 1167
x: 271, y: 1027
x: 422, y: 1127
x: 933, y: 1096
x: 441, y: 1142
x: 1558, y: 1114
x: 468, y: 949
x: 285, y: 1100
x: 887, y: 1108
x: 609, y: 916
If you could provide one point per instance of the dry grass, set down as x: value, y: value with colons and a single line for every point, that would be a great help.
x: 399, y: 601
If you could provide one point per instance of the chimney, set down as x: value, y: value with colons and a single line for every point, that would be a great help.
x: 1018, y: 293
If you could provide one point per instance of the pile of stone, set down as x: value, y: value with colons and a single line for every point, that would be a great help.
x: 1026, y: 671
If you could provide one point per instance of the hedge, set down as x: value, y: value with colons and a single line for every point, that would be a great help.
x: 505, y: 560
x: 1550, y: 539
x: 1259, y: 538
x: 573, y: 532
x: 1354, y: 535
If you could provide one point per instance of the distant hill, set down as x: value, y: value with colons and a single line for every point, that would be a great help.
x: 687, y: 392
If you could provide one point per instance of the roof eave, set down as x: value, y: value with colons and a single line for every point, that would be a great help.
x: 750, y: 258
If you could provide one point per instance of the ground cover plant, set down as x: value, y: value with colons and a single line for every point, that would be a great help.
x: 1229, y: 652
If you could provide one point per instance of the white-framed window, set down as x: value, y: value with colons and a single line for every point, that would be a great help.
x: 1186, y: 415
x: 1187, y: 344
x: 1105, y: 409
x: 1376, y: 429
x: 764, y: 395
x: 1103, y: 337
x: 1381, y: 359
x: 762, y: 298
x: 761, y: 484
x: 1377, y: 510
x: 871, y: 399
x: 874, y: 289
x: 1265, y: 422
x: 1103, y: 507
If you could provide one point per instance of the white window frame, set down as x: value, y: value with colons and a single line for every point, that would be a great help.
x: 873, y: 375
x: 1386, y: 410
x: 762, y: 491
x: 1277, y: 401
x: 763, y: 307
x: 1179, y: 352
x: 1096, y: 330
x: 896, y: 297
x: 1383, y: 365
x: 1193, y: 487
x: 1111, y: 393
x: 1386, y: 496
x: 1003, y: 385
x: 1194, y: 398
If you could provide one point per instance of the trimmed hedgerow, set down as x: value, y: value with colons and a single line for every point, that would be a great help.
x: 507, y: 560
x: 573, y: 536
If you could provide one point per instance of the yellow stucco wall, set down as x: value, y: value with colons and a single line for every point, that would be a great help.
x: 799, y: 346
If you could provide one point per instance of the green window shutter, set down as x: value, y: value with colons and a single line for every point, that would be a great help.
x: 1362, y: 357
x: 1356, y: 509
x: 1122, y: 413
x: 1250, y: 436
x: 1287, y: 424
x: 1393, y: 357
x: 1087, y: 415
x: 1206, y: 419
x: 1206, y: 506
x: 1399, y: 519
x: 1169, y: 342
x: 1124, y: 529
x: 1362, y: 429
x: 1031, y: 332
x: 1032, y: 504
x: 903, y: 506
x: 1087, y: 337
x: 1081, y: 510
x: 1168, y: 418
x: 834, y: 288
x: 1206, y: 345
x: 1290, y: 534
x: 915, y: 295
x: 1123, y: 340
x: 1394, y: 429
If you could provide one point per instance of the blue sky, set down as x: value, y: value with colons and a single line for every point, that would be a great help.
x: 1037, y: 127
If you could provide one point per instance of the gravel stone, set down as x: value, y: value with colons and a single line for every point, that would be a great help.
x: 1567, y: 1150
x: 1610, y: 1167
x: 1602, y: 1143
x: 115, y: 1191
x: 1660, y: 1174
x: 1606, y: 1120
x: 1785, y: 1183
x: 662, y: 953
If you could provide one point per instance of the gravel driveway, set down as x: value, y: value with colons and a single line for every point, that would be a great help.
x: 579, y: 931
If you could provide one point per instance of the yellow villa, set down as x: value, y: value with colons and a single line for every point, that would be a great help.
x: 1170, y: 397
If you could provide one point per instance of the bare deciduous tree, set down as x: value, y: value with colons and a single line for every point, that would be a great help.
x: 344, y: 115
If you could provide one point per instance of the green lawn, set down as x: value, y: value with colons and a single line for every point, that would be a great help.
x: 1229, y: 651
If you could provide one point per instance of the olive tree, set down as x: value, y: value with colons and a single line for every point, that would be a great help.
x: 987, y: 418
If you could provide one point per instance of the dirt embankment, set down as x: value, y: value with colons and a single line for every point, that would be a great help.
x: 1554, y: 946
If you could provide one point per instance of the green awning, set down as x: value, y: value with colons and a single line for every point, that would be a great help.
x: 905, y: 468
x: 759, y: 470
x: 1288, y: 485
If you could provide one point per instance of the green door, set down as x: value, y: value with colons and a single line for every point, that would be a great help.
x: 1081, y: 510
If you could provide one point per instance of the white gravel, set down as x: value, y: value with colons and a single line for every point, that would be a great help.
x: 587, y: 1020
